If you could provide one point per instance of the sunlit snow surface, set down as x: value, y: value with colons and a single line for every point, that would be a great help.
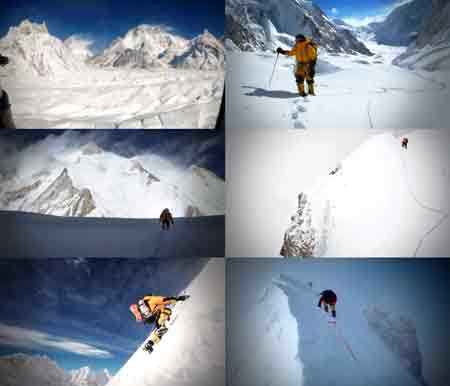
x: 116, y: 98
x: 352, y: 91
x: 391, y: 325
x: 192, y: 353
x: 384, y: 201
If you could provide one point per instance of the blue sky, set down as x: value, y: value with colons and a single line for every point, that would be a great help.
x: 359, y: 12
x: 101, y: 21
x: 204, y: 148
x: 76, y: 311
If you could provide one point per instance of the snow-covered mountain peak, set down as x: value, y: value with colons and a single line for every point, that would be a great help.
x: 87, y: 377
x: 23, y: 369
x: 33, y: 50
x: 91, y: 148
x: 27, y: 27
x: 79, y: 47
x: 263, y: 25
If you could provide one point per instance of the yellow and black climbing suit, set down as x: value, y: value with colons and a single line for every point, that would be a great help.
x: 305, y: 53
x: 157, y: 306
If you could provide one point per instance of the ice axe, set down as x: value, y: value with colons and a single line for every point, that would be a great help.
x: 274, y: 66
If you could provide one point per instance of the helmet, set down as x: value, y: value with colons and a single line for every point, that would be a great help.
x: 300, y: 37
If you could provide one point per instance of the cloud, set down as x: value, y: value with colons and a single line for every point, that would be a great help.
x: 334, y: 11
x: 362, y: 21
x: 377, y: 17
x: 33, y: 339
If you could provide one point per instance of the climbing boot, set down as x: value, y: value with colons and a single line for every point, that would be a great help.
x: 311, y: 88
x: 301, y: 89
x: 149, y: 346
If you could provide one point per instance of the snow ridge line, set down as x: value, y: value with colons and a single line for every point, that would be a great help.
x: 444, y: 217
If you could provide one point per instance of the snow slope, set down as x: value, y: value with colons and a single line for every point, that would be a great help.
x: 30, y: 235
x: 263, y: 352
x: 23, y: 369
x: 351, y: 92
x: 193, y: 350
x: 382, y: 201
x: 352, y: 349
x: 390, y: 329
x: 60, y: 177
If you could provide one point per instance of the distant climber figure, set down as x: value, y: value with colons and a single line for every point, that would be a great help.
x: 329, y: 298
x: 166, y: 219
x: 153, y: 309
x: 6, y: 119
x: 405, y: 142
x: 305, y: 52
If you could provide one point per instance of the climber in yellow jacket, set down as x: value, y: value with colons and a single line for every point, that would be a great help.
x: 154, y: 309
x: 305, y: 52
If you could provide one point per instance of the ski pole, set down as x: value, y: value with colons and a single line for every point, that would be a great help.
x: 273, y: 72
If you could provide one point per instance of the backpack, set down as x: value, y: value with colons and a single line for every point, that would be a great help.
x: 315, y: 48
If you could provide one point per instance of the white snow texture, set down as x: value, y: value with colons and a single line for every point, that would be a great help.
x: 192, y: 352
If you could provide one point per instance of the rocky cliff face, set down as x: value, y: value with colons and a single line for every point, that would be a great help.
x: 262, y: 25
x: 402, y: 25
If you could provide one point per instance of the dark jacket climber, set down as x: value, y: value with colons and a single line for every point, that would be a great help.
x: 405, y: 142
x: 153, y: 309
x: 305, y: 52
x: 329, y: 298
x: 166, y: 219
x: 6, y: 119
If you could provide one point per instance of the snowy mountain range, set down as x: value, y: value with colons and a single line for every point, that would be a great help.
x: 192, y: 352
x: 33, y: 50
x: 89, y: 181
x: 379, y: 201
x: 263, y: 25
x: 23, y: 369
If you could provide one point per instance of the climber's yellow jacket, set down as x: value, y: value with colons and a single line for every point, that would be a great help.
x: 304, y: 51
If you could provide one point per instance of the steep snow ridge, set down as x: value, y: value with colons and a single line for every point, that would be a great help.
x: 351, y: 350
x: 263, y: 25
x: 381, y: 201
x: 23, y: 369
x: 193, y: 350
x: 33, y: 51
x: 92, y: 182
x: 266, y: 348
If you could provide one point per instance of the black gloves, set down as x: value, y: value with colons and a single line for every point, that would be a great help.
x: 3, y: 60
x: 182, y: 298
x: 280, y: 50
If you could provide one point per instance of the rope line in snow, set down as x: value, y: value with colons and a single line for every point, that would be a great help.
x: 444, y: 215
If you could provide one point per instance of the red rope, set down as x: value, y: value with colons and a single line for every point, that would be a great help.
x: 339, y: 335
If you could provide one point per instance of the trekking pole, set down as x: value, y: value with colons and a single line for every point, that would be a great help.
x: 273, y: 72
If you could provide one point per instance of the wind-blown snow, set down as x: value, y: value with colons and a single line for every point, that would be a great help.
x: 193, y: 350
x: 55, y: 176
